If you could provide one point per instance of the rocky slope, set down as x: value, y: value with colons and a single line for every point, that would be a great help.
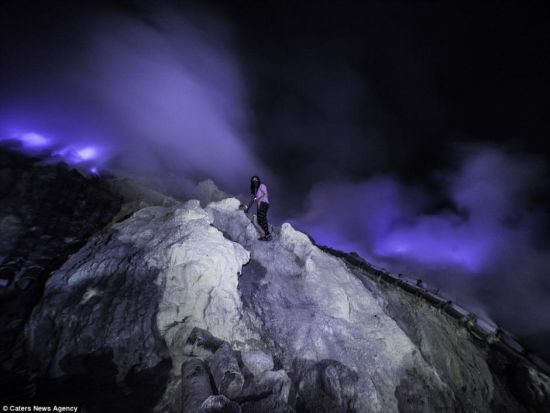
x: 46, y: 213
x: 177, y: 307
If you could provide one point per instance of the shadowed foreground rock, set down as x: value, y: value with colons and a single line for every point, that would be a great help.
x: 268, y: 404
x: 47, y: 212
x: 219, y: 404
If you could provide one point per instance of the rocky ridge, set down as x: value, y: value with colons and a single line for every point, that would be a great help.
x: 143, y: 303
x: 137, y: 296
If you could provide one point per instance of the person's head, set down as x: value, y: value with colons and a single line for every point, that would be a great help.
x: 254, y: 184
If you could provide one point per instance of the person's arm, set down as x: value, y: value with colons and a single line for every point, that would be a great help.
x: 262, y: 192
x: 252, y: 199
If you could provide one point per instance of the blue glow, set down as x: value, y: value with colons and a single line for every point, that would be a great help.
x: 73, y: 155
x: 82, y: 154
x: 87, y: 153
x: 34, y: 140
x: 30, y: 140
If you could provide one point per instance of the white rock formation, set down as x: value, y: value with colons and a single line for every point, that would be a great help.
x: 135, y: 292
x: 139, y: 289
x: 312, y: 306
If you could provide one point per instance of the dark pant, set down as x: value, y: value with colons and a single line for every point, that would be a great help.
x: 262, y: 216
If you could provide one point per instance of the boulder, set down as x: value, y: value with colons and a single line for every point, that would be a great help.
x: 226, y: 372
x: 270, y: 383
x: 277, y: 382
x: 201, y: 343
x: 325, y: 386
x: 257, y: 361
x: 195, y: 384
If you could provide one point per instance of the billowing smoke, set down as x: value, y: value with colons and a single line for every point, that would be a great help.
x: 344, y: 109
x: 156, y: 93
x: 483, y: 246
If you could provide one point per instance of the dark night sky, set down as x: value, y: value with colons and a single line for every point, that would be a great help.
x: 414, y: 133
x: 430, y: 74
x: 419, y: 76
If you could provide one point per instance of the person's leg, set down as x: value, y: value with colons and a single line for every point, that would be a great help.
x: 262, y: 217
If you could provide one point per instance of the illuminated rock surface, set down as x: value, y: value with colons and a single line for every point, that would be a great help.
x: 154, y: 304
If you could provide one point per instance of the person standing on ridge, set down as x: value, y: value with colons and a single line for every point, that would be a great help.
x: 258, y: 194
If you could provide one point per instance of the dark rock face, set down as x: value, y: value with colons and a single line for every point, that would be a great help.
x: 532, y: 386
x: 91, y: 380
x: 46, y: 213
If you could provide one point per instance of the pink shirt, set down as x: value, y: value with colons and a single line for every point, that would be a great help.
x: 261, y: 194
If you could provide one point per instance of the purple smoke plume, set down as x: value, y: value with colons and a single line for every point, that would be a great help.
x: 486, y: 239
x: 161, y: 98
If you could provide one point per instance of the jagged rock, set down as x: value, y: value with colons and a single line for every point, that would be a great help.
x: 195, y: 383
x: 219, y: 404
x: 257, y: 361
x: 226, y: 372
x: 201, y: 343
x: 234, y: 223
x: 325, y: 386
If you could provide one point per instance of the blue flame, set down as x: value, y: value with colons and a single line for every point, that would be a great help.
x: 34, y: 140
x: 88, y: 155
x: 76, y: 155
x: 29, y: 140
